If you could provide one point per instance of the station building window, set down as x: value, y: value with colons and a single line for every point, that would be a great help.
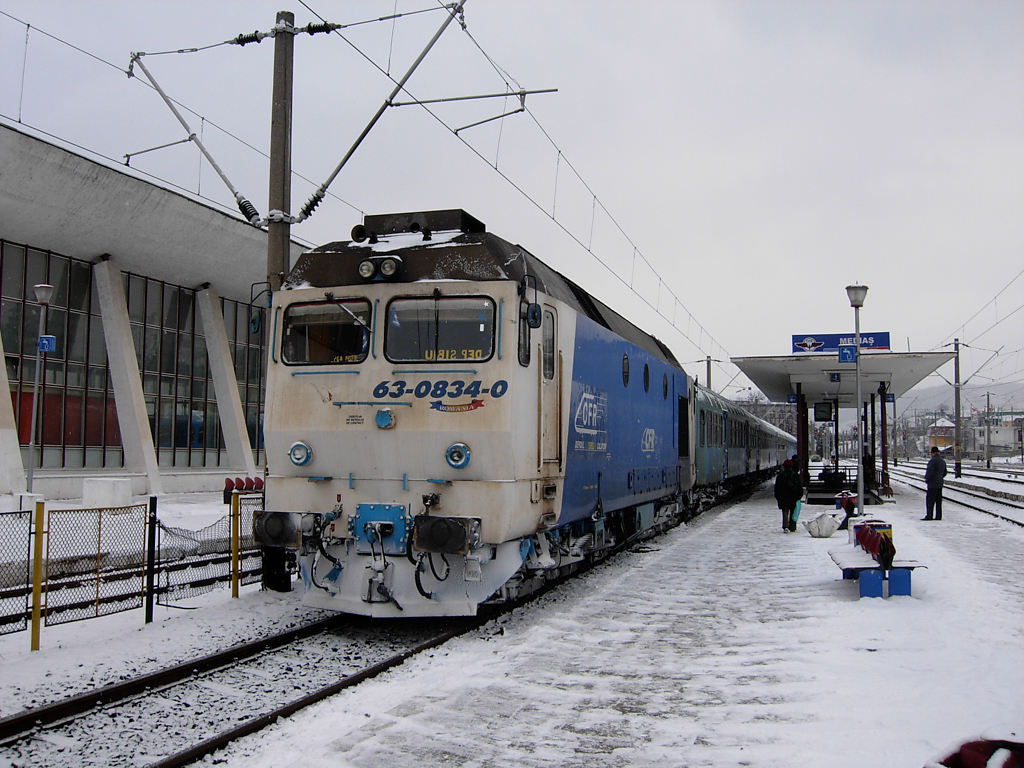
x: 78, y: 419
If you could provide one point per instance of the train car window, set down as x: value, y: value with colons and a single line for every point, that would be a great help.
x: 548, y: 331
x: 664, y: 386
x: 703, y: 427
x: 524, y: 335
x: 647, y: 378
x: 625, y: 370
x: 439, y: 329
x: 326, y: 332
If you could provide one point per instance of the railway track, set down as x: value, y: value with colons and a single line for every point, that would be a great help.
x: 1002, y: 473
x: 177, y: 715
x: 956, y: 495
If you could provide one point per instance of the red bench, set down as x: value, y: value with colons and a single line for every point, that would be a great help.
x: 872, y: 560
x: 875, y: 538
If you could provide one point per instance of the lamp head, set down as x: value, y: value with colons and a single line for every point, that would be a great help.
x: 43, y: 293
x: 856, y: 294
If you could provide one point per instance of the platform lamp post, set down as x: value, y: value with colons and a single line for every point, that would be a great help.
x: 857, y: 294
x: 43, y: 293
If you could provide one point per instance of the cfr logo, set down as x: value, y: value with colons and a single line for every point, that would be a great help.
x: 649, y: 441
x: 591, y: 414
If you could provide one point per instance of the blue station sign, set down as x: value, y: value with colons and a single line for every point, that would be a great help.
x: 831, y: 342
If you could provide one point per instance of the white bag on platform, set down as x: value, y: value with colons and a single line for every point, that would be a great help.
x: 822, y: 526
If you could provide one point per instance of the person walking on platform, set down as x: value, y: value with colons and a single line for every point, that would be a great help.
x: 933, y: 476
x: 788, y: 490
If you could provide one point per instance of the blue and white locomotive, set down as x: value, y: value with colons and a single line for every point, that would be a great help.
x: 449, y: 422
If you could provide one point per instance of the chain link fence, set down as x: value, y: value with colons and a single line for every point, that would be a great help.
x: 95, y: 561
x: 191, y: 563
x: 15, y: 570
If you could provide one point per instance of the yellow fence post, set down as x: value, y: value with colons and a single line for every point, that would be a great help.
x: 37, y: 575
x: 234, y: 542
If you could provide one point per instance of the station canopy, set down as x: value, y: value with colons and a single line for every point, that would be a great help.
x: 823, y: 378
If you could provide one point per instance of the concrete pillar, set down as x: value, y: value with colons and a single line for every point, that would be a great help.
x: 12, y: 470
x: 132, y: 419
x: 225, y: 384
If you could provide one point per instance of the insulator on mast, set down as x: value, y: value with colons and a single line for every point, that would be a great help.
x: 323, y: 27
x: 311, y: 205
x: 248, y: 210
x: 253, y: 37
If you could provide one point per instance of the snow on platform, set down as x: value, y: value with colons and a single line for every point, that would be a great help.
x: 723, y: 643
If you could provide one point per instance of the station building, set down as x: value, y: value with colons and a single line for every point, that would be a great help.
x: 159, y: 317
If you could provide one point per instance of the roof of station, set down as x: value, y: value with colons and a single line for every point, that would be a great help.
x: 52, y: 197
x: 822, y: 377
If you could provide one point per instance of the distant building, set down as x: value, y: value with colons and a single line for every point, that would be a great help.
x: 940, y: 435
x: 1002, y: 433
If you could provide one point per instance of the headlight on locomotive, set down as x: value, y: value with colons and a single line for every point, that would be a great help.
x: 457, y: 455
x: 445, y: 535
x: 300, y: 453
x: 388, y: 267
x: 380, y: 267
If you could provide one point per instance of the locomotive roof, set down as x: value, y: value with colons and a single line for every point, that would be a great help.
x: 452, y: 245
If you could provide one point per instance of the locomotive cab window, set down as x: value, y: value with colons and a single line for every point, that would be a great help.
x: 433, y: 329
x: 326, y: 332
x: 524, y: 334
x: 548, y: 334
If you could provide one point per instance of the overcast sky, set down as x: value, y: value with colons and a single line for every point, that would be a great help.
x: 760, y: 155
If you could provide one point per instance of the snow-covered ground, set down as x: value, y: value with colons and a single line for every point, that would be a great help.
x: 723, y: 643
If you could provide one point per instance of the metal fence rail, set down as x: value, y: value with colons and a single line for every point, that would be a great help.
x: 15, y: 565
x: 248, y: 506
x: 185, y: 568
x: 95, y: 561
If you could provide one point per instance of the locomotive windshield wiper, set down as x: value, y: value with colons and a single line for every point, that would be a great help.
x: 350, y: 313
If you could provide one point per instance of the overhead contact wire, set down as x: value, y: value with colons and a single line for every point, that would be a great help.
x: 506, y: 77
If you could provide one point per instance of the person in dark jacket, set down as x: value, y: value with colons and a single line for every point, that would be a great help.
x: 788, y: 491
x: 933, y: 476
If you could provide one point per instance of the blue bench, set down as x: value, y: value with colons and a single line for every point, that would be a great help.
x: 872, y: 561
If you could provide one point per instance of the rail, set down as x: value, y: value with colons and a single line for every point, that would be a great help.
x: 123, y: 717
x: 950, y: 494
